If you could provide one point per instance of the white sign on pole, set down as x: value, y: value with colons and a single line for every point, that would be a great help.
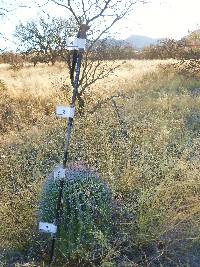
x: 81, y: 43
x: 59, y: 173
x: 47, y: 228
x: 65, y: 112
x: 74, y: 43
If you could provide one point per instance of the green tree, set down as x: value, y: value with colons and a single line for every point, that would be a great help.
x: 45, y: 39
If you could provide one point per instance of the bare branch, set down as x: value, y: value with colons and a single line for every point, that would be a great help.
x: 5, y: 10
x: 105, y: 101
x: 100, y: 13
x: 70, y: 9
x: 103, y: 32
x: 91, y: 76
x: 84, y: 11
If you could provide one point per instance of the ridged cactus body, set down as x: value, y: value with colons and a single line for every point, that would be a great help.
x: 86, y: 211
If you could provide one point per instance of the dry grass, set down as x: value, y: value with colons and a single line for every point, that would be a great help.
x: 154, y: 173
x: 38, y: 81
x: 45, y: 80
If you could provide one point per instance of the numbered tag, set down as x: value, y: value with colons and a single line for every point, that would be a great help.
x: 74, y: 43
x: 65, y: 112
x: 49, y: 228
x: 59, y: 173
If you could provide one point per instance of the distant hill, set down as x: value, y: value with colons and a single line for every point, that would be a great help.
x: 139, y: 41
x: 136, y: 41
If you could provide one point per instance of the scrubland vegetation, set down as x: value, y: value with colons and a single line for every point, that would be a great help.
x: 144, y: 145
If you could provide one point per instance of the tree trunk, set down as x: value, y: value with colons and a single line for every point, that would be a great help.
x: 81, y: 105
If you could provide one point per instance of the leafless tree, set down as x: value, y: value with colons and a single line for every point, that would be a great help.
x: 100, y: 16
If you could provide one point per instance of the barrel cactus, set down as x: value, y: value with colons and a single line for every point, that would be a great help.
x: 85, y: 223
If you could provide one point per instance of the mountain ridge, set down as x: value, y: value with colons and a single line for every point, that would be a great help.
x: 141, y: 41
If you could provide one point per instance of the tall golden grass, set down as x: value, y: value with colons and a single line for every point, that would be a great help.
x: 153, y: 172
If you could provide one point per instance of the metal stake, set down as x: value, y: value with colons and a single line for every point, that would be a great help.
x: 76, y: 66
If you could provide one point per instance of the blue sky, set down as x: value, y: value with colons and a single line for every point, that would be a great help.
x: 158, y: 19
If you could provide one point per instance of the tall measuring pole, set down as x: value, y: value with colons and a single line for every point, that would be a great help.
x: 78, y: 47
x: 74, y: 72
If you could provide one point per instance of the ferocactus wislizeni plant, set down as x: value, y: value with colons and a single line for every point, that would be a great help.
x: 85, y: 223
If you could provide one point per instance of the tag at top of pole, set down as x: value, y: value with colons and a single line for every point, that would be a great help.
x: 74, y: 43
x: 79, y: 42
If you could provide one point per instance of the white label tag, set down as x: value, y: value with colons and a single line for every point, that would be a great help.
x: 81, y: 43
x: 47, y: 227
x: 65, y: 112
x: 76, y: 43
x: 59, y: 173
x: 72, y: 43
